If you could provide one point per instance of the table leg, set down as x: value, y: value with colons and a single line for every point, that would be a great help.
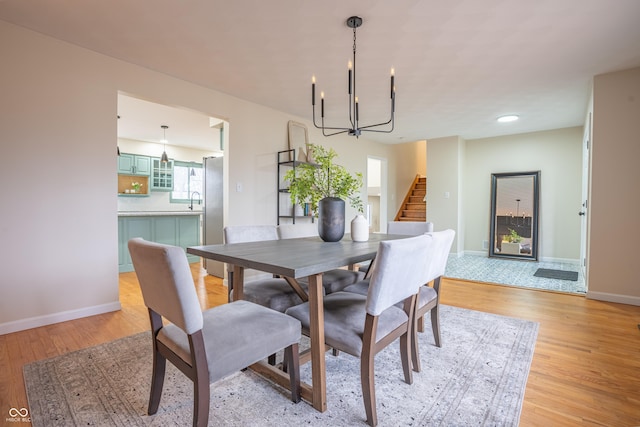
x: 316, y: 332
x: 238, y: 283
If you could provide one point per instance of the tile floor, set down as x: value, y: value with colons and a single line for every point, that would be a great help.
x: 513, y: 273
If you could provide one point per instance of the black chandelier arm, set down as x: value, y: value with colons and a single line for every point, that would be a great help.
x: 353, y: 105
x: 390, y: 121
x: 323, y: 127
x: 344, y: 130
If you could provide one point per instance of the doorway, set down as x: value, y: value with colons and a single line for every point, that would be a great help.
x: 376, y: 209
x: 172, y: 205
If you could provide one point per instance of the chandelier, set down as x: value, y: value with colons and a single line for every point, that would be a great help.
x: 354, y: 119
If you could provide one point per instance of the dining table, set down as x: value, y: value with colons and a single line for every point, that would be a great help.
x: 293, y: 259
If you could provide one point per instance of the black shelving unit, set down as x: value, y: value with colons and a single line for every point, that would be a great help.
x: 286, y: 159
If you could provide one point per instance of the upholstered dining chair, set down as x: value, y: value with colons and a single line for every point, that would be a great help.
x: 205, y: 346
x: 364, y: 325
x: 409, y: 228
x: 273, y: 292
x: 429, y: 296
x: 332, y: 280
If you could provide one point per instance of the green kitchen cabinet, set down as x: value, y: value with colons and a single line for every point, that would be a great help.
x: 133, y: 164
x: 177, y: 230
x: 161, y: 175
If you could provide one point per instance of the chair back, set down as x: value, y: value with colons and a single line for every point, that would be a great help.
x: 399, y: 273
x: 409, y: 228
x: 442, y: 242
x: 293, y: 231
x: 249, y: 233
x: 166, y: 282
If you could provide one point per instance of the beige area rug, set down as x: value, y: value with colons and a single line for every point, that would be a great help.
x: 477, y: 378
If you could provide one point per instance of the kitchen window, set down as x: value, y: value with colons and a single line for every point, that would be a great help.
x: 187, y: 180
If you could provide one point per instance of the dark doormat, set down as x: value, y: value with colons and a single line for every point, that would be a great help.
x: 556, y: 274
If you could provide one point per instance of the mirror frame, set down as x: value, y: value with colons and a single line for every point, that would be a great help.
x: 495, y: 177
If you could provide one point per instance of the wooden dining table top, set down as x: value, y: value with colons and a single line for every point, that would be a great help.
x: 295, y: 258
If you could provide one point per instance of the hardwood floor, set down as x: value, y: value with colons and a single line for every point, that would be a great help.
x: 585, y: 370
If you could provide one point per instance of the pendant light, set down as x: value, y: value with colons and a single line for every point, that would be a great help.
x: 164, y: 158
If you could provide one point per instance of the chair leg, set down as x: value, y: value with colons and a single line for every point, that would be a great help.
x: 421, y: 324
x: 406, y: 351
x: 292, y: 363
x: 201, y: 402
x: 271, y: 360
x: 435, y: 324
x: 415, y: 354
x: 367, y: 376
x: 157, y: 380
x: 230, y: 285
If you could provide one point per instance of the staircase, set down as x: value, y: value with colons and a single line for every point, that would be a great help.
x: 414, y: 206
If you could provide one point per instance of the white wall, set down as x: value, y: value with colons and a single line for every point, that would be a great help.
x: 557, y: 154
x: 444, y: 187
x: 615, y: 186
x: 58, y: 132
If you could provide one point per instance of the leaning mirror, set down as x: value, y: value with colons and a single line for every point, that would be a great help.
x: 514, y: 215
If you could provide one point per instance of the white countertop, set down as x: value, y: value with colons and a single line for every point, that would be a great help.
x: 158, y: 213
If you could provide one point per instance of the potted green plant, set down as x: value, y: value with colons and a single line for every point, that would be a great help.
x: 325, y: 185
x: 513, y: 236
x: 511, y: 243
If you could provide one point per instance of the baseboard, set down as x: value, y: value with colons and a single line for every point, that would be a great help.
x: 63, y: 316
x: 571, y: 261
x: 617, y: 298
x: 475, y: 253
x: 543, y: 259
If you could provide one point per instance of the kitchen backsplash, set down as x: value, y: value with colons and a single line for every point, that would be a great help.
x: 156, y: 202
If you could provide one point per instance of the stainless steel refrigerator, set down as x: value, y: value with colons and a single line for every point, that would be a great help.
x: 212, y: 218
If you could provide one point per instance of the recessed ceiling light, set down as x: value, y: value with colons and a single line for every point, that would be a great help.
x: 508, y: 118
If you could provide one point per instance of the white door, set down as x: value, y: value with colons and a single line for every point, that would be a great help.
x: 376, y: 204
x: 584, y: 211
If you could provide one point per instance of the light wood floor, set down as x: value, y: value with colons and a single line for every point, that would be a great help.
x: 585, y: 369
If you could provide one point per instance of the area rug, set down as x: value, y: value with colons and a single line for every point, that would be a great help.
x: 556, y: 274
x: 477, y: 378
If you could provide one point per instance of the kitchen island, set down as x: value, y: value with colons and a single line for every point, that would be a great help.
x: 178, y: 228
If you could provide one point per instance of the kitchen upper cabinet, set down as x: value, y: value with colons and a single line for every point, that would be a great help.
x: 132, y: 164
x: 161, y: 175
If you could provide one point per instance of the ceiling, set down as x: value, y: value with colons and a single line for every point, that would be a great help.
x: 459, y: 64
x: 142, y: 120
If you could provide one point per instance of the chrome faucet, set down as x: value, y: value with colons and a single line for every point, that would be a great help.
x: 199, y: 199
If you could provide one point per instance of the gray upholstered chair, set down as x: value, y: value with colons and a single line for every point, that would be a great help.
x: 205, y: 346
x: 409, y: 228
x: 429, y: 296
x: 273, y: 292
x: 363, y: 325
x: 333, y: 280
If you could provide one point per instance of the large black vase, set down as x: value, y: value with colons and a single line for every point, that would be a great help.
x: 331, y: 219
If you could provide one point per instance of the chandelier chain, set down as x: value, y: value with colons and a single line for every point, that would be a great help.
x: 354, y: 41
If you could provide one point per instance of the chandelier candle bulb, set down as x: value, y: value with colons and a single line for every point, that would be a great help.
x: 322, y: 104
x: 350, y: 76
x: 356, y: 109
x: 313, y: 90
x: 393, y: 89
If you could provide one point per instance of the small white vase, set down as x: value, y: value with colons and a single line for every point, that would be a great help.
x: 359, y: 229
